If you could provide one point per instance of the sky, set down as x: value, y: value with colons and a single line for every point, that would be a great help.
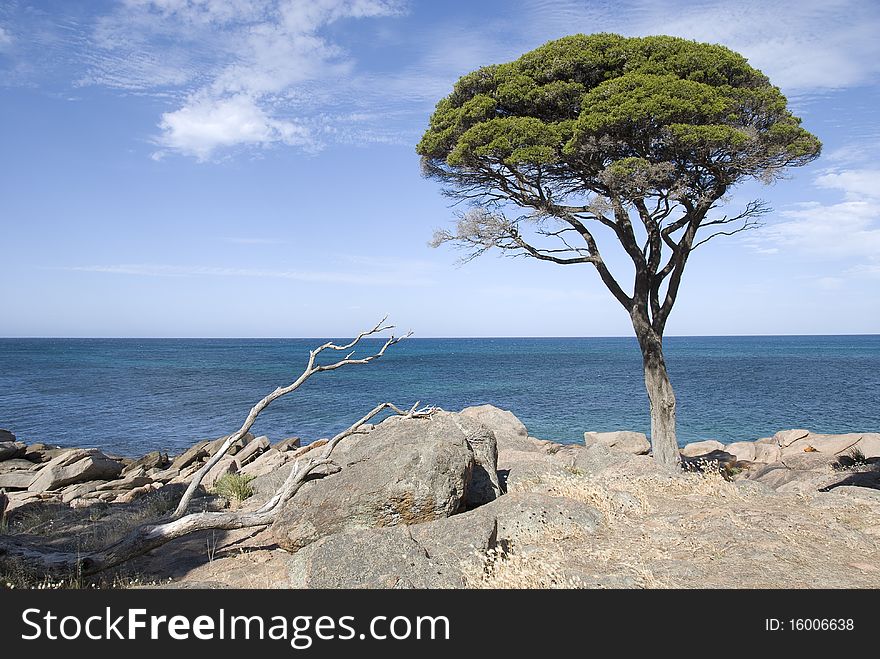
x: 246, y: 168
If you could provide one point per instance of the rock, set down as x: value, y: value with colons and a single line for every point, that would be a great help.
x: 635, y: 443
x: 152, y: 460
x: 288, y: 444
x: 163, y: 475
x: 510, y: 433
x: 9, y: 450
x: 743, y: 450
x: 785, y: 437
x: 79, y: 491
x: 227, y: 465
x: 429, y: 555
x: 267, y: 463
x: 75, y: 466
x: 696, y: 449
x: 828, y: 444
x: 870, y: 445
x: 405, y: 471
x: 16, y: 464
x: 710, y: 461
x: 16, y: 480
x: 134, y: 493
x: 128, y: 483
x: 590, y: 460
x: 253, y: 449
x: 215, y: 445
x: 6, y: 435
x: 517, y: 468
x: 484, y: 486
x: 524, y: 518
x: 40, y: 452
x: 22, y: 499
x: 192, y: 454
x: 767, y: 453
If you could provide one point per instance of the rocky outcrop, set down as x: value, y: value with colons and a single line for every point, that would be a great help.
x: 75, y: 466
x: 435, y: 554
x: 403, y: 472
x: 627, y: 441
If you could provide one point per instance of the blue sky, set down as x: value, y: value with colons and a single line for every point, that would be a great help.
x: 247, y: 168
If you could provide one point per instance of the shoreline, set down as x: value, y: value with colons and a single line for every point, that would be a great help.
x: 606, y: 489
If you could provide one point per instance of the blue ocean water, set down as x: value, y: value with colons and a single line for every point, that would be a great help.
x: 134, y: 395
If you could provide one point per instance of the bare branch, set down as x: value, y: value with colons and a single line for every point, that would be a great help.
x: 310, y: 370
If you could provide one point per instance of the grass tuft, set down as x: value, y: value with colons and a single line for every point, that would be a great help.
x: 234, y: 487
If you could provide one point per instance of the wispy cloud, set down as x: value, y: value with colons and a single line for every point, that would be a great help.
x: 239, y: 68
x: 166, y: 270
x: 6, y: 39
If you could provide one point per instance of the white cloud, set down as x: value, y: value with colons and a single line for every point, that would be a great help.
x: 842, y: 231
x: 856, y: 184
x: 205, y: 124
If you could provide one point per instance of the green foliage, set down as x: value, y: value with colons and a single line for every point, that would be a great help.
x: 235, y: 487
x: 580, y: 105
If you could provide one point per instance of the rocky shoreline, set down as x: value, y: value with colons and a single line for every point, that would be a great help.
x: 470, y: 499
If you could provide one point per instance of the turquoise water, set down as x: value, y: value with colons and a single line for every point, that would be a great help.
x: 135, y: 395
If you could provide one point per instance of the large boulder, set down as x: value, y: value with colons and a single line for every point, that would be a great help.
x: 436, y: 554
x: 6, y: 435
x: 627, y: 441
x: 405, y: 471
x: 75, y: 466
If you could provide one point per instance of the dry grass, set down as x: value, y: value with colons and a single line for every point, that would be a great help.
x: 499, y: 569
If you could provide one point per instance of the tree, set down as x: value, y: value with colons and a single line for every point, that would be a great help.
x: 639, y: 138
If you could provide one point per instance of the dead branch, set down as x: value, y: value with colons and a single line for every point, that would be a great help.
x: 310, y: 370
x: 150, y: 536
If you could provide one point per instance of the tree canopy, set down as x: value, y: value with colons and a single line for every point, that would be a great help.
x: 613, y: 115
x: 591, y: 128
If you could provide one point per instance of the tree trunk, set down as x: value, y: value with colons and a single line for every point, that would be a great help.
x: 664, y: 443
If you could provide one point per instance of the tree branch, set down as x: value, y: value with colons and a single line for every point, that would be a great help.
x: 310, y: 370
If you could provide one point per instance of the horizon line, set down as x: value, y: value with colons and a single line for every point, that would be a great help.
x: 415, y: 337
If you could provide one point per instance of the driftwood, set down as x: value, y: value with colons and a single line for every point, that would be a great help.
x: 148, y: 537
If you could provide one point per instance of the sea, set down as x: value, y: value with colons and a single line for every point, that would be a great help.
x: 131, y: 396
